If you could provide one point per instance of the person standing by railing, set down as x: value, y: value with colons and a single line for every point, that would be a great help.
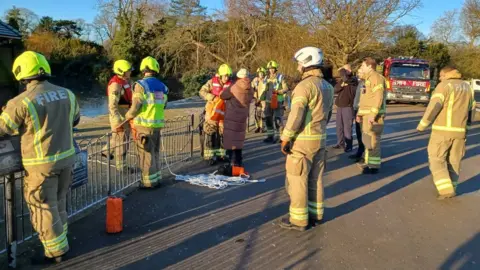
x: 213, y: 129
x: 45, y: 115
x: 148, y: 104
x: 119, y: 94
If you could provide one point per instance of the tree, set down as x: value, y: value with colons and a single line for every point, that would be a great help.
x: 67, y: 28
x: 438, y: 55
x: 345, y: 28
x: 263, y: 8
x: 187, y: 12
x: 45, y: 24
x: 407, y: 41
x: 445, y: 28
x: 470, y: 20
x: 22, y: 19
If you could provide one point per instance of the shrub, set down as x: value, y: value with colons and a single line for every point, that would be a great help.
x: 193, y: 80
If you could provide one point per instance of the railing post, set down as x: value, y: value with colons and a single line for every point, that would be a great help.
x: 192, y: 128
x: 10, y: 219
x: 109, y: 182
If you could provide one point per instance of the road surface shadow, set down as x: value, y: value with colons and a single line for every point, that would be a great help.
x: 390, y: 168
x: 465, y: 257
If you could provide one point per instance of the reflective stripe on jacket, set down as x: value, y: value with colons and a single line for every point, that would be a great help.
x: 312, y: 102
x: 451, y: 108
x: 277, y: 84
x: 373, y: 96
x: 154, y: 97
x: 44, y: 114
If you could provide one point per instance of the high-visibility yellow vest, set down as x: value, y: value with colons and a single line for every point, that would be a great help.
x: 155, y: 97
x: 277, y: 85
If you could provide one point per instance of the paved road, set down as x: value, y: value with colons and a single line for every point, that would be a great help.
x: 388, y: 221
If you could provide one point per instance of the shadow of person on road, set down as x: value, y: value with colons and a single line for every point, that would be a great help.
x: 416, y: 162
x: 465, y: 257
x: 469, y: 186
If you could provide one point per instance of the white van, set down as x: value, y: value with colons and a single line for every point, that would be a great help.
x: 475, y: 83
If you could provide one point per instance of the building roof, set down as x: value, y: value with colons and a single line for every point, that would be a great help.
x: 6, y: 31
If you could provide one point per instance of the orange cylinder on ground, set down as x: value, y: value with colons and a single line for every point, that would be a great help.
x: 114, y: 220
x: 238, y: 171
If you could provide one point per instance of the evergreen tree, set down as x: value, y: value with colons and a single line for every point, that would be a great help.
x: 188, y: 12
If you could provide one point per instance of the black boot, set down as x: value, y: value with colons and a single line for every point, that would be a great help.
x: 285, y: 224
x: 212, y: 161
x: 258, y: 130
x: 368, y: 170
x: 315, y: 223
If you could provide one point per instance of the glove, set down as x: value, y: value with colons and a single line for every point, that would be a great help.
x: 286, y: 147
x: 210, y: 97
x: 358, y: 119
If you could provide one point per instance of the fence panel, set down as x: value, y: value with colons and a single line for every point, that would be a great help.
x: 105, y: 174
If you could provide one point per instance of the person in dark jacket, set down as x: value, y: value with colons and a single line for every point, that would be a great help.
x: 345, y: 89
x: 237, y: 104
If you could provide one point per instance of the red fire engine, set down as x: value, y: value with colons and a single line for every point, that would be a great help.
x: 407, y: 79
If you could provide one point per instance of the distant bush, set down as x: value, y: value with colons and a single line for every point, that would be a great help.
x: 193, y: 80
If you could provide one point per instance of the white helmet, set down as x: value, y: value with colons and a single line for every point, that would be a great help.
x: 309, y: 56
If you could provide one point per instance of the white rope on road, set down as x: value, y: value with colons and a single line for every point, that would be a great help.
x: 212, y: 180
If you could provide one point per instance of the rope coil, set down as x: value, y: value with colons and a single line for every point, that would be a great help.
x: 212, y: 180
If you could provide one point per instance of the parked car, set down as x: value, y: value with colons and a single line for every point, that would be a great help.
x: 475, y: 83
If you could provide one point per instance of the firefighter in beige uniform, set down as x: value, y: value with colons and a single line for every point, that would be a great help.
x: 450, y: 111
x: 276, y: 84
x: 44, y: 115
x: 119, y: 101
x: 213, y: 130
x: 371, y: 114
x: 259, y: 86
x: 304, y: 141
x: 148, y: 114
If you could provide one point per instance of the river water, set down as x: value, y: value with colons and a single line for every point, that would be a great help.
x: 92, y: 105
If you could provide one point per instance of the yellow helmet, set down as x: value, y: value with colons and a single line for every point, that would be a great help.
x: 150, y: 63
x: 262, y: 70
x: 272, y: 64
x: 224, y: 70
x: 30, y: 65
x: 121, y: 66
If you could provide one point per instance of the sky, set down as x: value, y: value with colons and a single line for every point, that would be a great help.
x: 85, y: 9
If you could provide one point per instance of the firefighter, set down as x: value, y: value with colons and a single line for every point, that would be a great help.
x: 451, y: 112
x: 274, y: 117
x: 147, y: 111
x: 258, y: 85
x: 304, y: 140
x: 213, y: 130
x: 44, y: 114
x: 358, y: 128
x: 371, y: 114
x: 119, y: 101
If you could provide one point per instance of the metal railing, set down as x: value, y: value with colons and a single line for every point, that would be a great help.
x: 101, y: 176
